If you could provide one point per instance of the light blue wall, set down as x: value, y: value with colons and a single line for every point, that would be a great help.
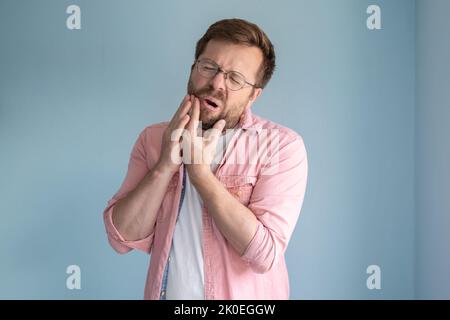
x: 433, y: 150
x: 73, y: 102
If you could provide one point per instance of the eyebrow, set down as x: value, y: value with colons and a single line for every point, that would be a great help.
x: 226, y: 70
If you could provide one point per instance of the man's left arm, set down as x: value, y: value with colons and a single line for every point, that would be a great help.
x: 260, y: 232
x: 235, y: 221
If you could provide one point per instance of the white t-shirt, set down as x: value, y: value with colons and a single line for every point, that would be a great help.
x: 185, y: 279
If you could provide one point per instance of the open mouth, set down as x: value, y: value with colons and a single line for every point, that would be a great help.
x: 211, y: 103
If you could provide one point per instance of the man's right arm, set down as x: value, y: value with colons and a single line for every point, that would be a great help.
x: 134, y: 216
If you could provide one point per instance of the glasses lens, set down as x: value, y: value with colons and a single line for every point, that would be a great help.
x: 235, y: 80
x: 207, y: 69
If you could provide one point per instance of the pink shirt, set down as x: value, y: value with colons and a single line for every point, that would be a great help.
x: 265, y: 167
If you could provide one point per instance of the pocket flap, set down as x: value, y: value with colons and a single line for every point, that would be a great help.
x: 235, y: 181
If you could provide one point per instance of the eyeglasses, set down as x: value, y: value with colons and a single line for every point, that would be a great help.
x: 233, y: 79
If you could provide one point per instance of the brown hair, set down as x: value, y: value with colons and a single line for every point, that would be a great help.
x: 240, y: 31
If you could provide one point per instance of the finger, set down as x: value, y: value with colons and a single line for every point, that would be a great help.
x: 220, y: 125
x: 182, y: 116
x: 196, y: 109
x: 182, y: 109
x: 177, y: 133
x: 191, y: 99
x: 183, y: 122
x: 185, y: 107
x: 195, y: 114
x: 215, y: 132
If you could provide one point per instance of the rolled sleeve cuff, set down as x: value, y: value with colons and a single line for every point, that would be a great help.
x: 118, y: 241
x: 260, y: 252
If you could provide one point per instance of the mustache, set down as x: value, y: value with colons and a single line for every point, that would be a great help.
x: 219, y: 95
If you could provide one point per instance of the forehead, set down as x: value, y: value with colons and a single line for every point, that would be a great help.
x: 234, y: 57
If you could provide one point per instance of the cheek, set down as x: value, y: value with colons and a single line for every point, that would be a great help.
x: 235, y: 101
x: 199, y: 81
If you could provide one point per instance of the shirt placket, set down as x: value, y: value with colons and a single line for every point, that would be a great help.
x: 162, y: 295
x: 210, y: 248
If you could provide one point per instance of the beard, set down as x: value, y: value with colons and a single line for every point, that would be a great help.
x: 230, y: 113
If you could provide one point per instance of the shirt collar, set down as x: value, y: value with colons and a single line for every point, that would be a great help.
x: 249, y: 121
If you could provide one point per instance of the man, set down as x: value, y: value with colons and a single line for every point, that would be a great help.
x: 214, y: 194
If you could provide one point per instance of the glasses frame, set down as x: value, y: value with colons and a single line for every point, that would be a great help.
x: 225, y: 73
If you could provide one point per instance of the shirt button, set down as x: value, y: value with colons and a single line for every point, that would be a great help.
x: 169, y: 258
x: 163, y: 293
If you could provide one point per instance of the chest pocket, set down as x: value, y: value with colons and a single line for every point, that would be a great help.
x: 240, y: 187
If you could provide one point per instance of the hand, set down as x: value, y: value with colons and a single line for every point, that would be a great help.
x: 198, y: 151
x: 170, y: 158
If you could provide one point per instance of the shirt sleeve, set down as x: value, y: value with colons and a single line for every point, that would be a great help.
x: 276, y: 201
x: 137, y: 169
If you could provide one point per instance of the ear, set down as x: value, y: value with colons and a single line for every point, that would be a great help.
x: 256, y: 93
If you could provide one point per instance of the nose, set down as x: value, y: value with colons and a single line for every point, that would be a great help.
x: 218, y: 81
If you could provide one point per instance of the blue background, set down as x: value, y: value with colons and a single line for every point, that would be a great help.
x: 371, y: 106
